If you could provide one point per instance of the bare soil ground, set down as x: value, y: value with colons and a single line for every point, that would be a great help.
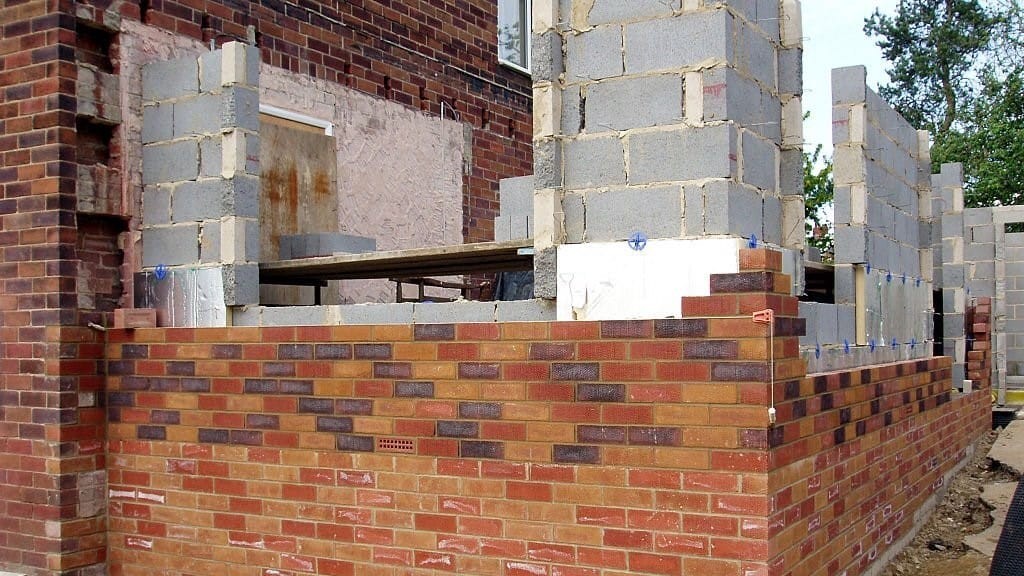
x: 939, y: 548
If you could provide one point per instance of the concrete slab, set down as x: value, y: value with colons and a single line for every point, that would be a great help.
x: 1008, y: 449
x: 998, y: 496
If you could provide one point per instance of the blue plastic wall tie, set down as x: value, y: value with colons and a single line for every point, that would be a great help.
x: 888, y: 277
x: 753, y: 241
x: 160, y: 272
x: 871, y: 344
x: 918, y: 283
x: 638, y: 241
x: 913, y: 343
x: 869, y: 268
x: 904, y: 278
x: 846, y: 345
x: 817, y: 351
x: 895, y: 343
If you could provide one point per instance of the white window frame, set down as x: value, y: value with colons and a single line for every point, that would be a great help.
x: 527, y: 21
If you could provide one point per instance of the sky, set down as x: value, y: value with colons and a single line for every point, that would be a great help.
x: 834, y: 37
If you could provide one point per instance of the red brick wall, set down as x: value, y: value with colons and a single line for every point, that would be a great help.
x: 415, y: 53
x: 978, y: 321
x: 51, y: 450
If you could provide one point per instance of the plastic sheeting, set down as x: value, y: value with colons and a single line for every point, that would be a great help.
x: 187, y: 297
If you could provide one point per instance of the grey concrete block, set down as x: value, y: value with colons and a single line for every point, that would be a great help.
x: 953, y: 226
x: 977, y: 216
x: 575, y: 218
x: 791, y: 71
x: 849, y: 85
x: 979, y: 252
x: 525, y: 311
x: 170, y: 246
x: 157, y: 123
x: 730, y: 208
x: 210, y: 70
x: 621, y: 104
x: 240, y: 108
x: 246, y: 197
x: 608, y: 11
x: 842, y: 202
x: 760, y: 162
x: 545, y: 266
x: 547, y: 164
x: 809, y: 312
x: 679, y: 42
x: 294, y: 315
x: 377, y: 313
x: 156, y: 205
x: 252, y: 240
x: 241, y: 284
x: 847, y: 327
x: 546, y: 56
x: 761, y: 13
x: 208, y: 199
x: 211, y: 156
x: 572, y: 120
x: 754, y: 54
x: 987, y: 234
x: 683, y: 154
x: 252, y: 154
x: 515, y: 195
x: 791, y: 173
x: 209, y: 242
x: 595, y: 54
x: 851, y: 244
x: 594, y: 162
x: 170, y: 79
x: 197, y: 115
x: 171, y: 162
x: 452, y: 312
x: 323, y: 244
x: 617, y: 214
x: 772, y: 224
x: 693, y: 210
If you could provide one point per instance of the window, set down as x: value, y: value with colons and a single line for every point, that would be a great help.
x: 514, y: 21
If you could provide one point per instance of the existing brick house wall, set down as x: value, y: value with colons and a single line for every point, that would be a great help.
x: 533, y: 448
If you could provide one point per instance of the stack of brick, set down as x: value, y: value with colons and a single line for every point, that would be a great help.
x: 979, y: 343
x: 200, y: 167
x: 666, y: 118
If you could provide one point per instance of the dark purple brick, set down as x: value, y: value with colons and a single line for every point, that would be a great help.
x: 372, y: 351
x: 355, y: 443
x: 481, y: 449
x: 742, y: 282
x: 392, y: 369
x: 353, y: 407
x: 181, y: 368
x: 113, y: 414
x: 261, y: 386
x: 226, y: 351
x: 458, y: 429
x: 627, y: 329
x: 600, y: 393
x: 576, y: 454
x: 294, y: 351
x: 414, y: 389
x: 480, y: 410
x: 711, y: 349
x: 121, y: 399
x: 296, y: 386
x: 754, y: 438
x: 479, y: 371
x: 827, y: 402
x: 262, y: 421
x: 165, y: 417
x: 434, y: 332
x: 791, y: 390
x: 279, y: 369
x: 316, y: 405
x: 839, y: 436
x: 739, y: 372
x: 134, y: 383
x: 151, y: 433
x: 654, y: 436
x: 799, y: 408
x: 552, y: 351
x: 776, y: 436
x: 246, y: 437
x: 120, y: 367
x: 601, y: 434
x: 820, y: 384
x: 790, y: 326
x: 213, y: 435
x: 575, y: 371
x: 862, y: 427
x: 135, y: 351
x: 333, y: 424
x: 681, y: 328
x: 165, y: 384
x: 195, y: 384
x: 333, y: 351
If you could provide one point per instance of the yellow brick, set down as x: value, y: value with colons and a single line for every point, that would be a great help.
x: 434, y: 371
x: 680, y: 415
x: 551, y: 432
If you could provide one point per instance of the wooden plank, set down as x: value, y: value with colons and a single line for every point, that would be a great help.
x: 436, y: 261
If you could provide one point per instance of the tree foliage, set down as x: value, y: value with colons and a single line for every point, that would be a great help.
x: 956, y: 71
x: 818, y: 192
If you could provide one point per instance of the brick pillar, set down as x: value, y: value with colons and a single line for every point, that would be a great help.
x: 52, y: 507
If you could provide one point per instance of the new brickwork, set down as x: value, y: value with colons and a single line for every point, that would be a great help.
x: 978, y: 319
x: 638, y: 447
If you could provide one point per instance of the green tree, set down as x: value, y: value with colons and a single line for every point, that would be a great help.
x: 818, y: 193
x: 956, y: 71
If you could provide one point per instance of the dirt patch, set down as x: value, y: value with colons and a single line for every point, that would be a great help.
x: 939, y: 548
